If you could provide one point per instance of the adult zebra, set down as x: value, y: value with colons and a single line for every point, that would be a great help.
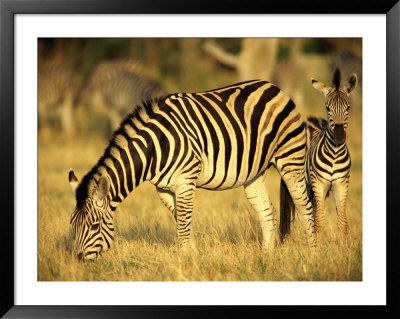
x: 118, y: 85
x: 328, y: 159
x: 218, y: 139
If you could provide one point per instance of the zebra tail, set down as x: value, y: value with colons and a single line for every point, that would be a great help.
x: 287, y: 211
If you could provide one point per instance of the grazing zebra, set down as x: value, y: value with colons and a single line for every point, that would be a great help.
x: 119, y: 86
x: 216, y: 140
x: 328, y: 159
x: 57, y: 87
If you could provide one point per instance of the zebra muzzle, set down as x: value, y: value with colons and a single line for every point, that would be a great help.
x: 80, y: 257
x: 339, y: 134
x: 83, y: 257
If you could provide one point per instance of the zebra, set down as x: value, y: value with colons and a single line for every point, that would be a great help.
x: 216, y: 140
x: 57, y: 88
x: 328, y: 159
x: 118, y: 86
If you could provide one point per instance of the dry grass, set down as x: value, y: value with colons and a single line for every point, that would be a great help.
x: 227, y: 231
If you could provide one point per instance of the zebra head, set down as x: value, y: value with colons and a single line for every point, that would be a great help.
x: 337, y: 104
x: 92, y: 221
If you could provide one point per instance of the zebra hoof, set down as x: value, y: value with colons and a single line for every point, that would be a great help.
x: 189, y: 248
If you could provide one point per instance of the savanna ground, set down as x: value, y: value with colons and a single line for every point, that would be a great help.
x: 227, y: 231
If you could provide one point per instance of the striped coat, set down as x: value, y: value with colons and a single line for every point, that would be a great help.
x: 328, y: 159
x: 219, y: 139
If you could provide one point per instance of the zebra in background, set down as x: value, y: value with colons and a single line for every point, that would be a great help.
x: 119, y: 86
x: 216, y: 140
x: 328, y: 159
x: 57, y: 88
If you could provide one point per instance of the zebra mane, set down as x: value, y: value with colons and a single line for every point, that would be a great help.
x: 317, y: 122
x: 315, y: 125
x: 82, y: 191
x: 147, y: 106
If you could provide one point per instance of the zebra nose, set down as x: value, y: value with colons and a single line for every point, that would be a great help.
x: 339, y: 133
x: 80, y: 256
x: 339, y: 128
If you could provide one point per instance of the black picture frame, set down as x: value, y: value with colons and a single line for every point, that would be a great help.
x: 8, y: 10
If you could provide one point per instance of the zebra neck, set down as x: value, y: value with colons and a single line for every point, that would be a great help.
x: 126, y: 167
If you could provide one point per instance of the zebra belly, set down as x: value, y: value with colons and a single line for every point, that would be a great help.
x: 222, y: 179
x: 217, y: 184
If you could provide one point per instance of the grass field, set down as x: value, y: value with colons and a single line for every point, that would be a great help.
x: 227, y: 231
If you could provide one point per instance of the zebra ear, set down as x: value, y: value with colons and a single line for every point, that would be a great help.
x: 351, y: 83
x: 321, y: 87
x: 103, y: 187
x: 73, y: 180
x: 336, y: 78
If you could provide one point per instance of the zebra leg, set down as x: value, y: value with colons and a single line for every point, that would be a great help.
x: 257, y: 195
x: 168, y: 199
x: 296, y: 184
x: 340, y: 189
x: 320, y: 190
x: 184, y: 197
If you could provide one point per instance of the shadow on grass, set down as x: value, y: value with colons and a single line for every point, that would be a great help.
x: 166, y: 235
x: 154, y: 234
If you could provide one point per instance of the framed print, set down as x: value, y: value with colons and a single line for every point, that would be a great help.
x: 100, y: 105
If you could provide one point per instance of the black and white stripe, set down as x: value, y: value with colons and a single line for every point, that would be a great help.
x: 328, y: 160
x: 219, y: 139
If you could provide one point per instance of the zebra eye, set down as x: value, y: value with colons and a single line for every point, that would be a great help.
x: 95, y: 226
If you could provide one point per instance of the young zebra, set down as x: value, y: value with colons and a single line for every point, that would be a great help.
x: 328, y: 159
x: 216, y: 140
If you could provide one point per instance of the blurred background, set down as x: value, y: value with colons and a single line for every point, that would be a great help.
x: 89, y: 84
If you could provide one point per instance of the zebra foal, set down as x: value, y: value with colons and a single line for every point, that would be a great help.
x: 328, y: 159
x: 216, y: 140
